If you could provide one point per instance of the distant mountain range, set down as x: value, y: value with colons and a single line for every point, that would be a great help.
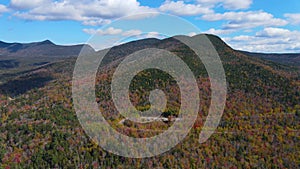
x: 285, y: 58
x: 39, y: 49
x: 49, y: 49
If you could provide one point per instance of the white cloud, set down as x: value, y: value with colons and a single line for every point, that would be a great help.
x: 90, y: 31
x: 3, y: 9
x: 293, y: 18
x: 133, y: 32
x: 191, y: 34
x: 117, y: 36
x: 90, y: 12
x: 245, y: 20
x: 152, y: 35
x: 183, y: 9
x: 268, y: 40
x: 218, y: 31
x: 274, y: 32
x: 143, y: 35
x: 142, y: 15
x: 97, y: 22
x: 27, y: 4
x: 113, y: 31
x: 128, y: 33
x: 237, y: 4
x: 112, y: 8
x: 137, y: 34
x: 108, y: 31
x: 227, y: 4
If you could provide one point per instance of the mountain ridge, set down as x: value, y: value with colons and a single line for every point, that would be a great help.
x: 285, y: 58
x: 4, y: 44
x: 44, y: 48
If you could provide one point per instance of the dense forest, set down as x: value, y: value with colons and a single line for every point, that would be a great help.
x: 259, y: 127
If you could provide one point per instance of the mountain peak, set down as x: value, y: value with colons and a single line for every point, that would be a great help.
x: 47, y: 42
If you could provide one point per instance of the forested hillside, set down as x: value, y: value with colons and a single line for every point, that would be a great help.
x: 259, y: 128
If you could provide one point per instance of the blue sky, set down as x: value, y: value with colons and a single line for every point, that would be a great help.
x: 252, y: 25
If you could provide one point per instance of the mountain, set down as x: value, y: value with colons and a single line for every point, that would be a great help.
x: 292, y: 59
x: 19, y: 58
x: 259, y: 127
x: 38, y: 49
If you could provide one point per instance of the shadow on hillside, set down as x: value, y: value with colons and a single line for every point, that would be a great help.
x: 22, y: 85
x: 9, y: 64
